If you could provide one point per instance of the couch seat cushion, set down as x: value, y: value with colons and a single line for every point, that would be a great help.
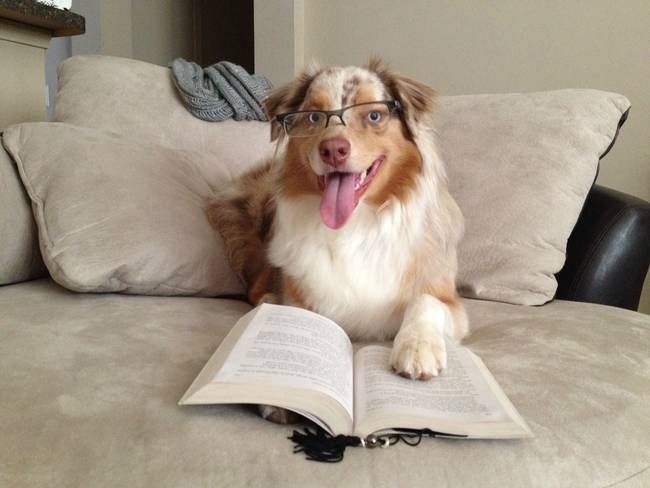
x: 89, y: 386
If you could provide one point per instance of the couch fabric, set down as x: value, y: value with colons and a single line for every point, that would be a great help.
x: 90, y: 385
x: 20, y: 258
x: 519, y: 165
x: 117, y: 215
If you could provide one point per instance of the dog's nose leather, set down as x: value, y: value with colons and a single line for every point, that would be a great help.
x: 334, y: 151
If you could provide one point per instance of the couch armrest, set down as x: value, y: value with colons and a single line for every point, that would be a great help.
x: 608, y: 252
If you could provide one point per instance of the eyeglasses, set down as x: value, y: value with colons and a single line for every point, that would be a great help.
x: 368, y: 115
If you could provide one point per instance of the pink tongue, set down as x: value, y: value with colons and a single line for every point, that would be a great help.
x: 338, y: 200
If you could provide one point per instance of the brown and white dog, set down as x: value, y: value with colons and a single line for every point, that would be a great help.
x: 352, y: 219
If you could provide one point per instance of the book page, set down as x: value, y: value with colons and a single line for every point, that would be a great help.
x: 460, y: 393
x: 293, y: 347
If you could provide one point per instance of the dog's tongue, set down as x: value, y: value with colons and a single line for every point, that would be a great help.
x: 338, y: 200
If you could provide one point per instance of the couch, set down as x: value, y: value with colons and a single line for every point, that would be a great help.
x: 89, y: 382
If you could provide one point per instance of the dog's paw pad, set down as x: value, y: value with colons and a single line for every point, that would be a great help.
x: 420, y: 360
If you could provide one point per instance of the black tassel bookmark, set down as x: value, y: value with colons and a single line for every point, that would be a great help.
x: 319, y: 445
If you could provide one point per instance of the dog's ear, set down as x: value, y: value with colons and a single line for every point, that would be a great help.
x: 417, y: 100
x: 289, y: 97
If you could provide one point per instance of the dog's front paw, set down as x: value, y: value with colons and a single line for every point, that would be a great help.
x: 417, y: 357
x: 278, y: 415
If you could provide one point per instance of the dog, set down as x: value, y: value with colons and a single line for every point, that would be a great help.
x: 352, y: 218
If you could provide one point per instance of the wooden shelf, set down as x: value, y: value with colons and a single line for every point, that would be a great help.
x: 59, y: 22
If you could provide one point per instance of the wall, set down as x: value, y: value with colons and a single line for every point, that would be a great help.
x: 60, y: 49
x: 162, y: 30
x: 90, y: 42
x: 116, y: 27
x: 467, y: 46
x: 155, y: 31
x: 279, y: 38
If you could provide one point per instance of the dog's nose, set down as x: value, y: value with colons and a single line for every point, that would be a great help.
x: 334, y: 151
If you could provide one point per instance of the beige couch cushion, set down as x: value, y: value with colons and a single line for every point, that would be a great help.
x: 89, y: 386
x: 520, y: 167
x: 117, y: 215
x: 20, y: 258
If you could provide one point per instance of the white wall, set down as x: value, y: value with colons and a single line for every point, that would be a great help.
x: 155, y: 31
x: 60, y: 49
x: 279, y: 38
x: 90, y: 41
x: 117, y: 28
x: 162, y: 30
x: 470, y: 46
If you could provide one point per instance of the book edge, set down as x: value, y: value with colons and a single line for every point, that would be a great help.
x: 219, y: 357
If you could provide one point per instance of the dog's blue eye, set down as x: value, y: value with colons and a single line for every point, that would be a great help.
x: 314, y: 117
x: 374, y: 116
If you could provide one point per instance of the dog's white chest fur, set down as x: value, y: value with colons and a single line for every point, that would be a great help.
x: 352, y: 275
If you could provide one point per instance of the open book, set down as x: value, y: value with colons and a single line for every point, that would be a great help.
x: 304, y: 362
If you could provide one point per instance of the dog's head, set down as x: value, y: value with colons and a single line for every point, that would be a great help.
x: 351, y: 136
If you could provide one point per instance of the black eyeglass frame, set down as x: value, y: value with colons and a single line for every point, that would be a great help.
x: 393, y: 106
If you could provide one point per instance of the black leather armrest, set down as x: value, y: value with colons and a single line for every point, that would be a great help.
x: 608, y: 252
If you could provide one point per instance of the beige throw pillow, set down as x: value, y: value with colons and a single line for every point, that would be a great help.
x: 119, y: 216
x: 520, y: 167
